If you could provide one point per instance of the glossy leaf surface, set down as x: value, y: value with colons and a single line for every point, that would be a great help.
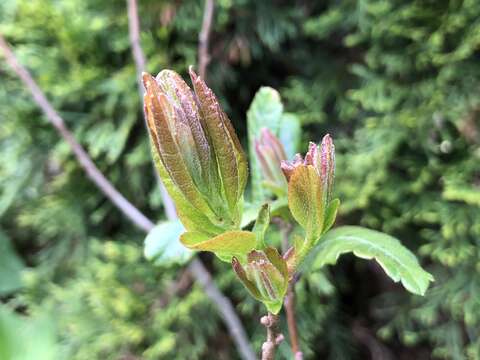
x: 399, y: 263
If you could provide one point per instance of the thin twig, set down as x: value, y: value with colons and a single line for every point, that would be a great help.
x: 291, y: 321
x: 134, y: 32
x: 204, y: 38
x: 274, y: 337
x: 131, y: 212
x: 86, y: 163
x: 140, y: 65
x: 377, y: 350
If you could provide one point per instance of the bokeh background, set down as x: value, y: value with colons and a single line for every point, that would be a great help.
x: 395, y: 82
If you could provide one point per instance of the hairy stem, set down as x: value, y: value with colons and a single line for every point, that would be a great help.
x: 274, y: 337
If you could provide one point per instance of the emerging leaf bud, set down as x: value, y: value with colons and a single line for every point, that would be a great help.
x: 197, y: 152
x: 270, y: 153
x: 310, y: 187
x: 265, y: 276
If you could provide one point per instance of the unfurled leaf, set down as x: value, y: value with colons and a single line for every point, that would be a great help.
x: 163, y: 247
x: 226, y: 245
x: 399, y: 263
x: 290, y: 134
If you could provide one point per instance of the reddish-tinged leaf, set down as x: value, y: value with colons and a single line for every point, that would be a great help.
x: 240, y: 271
x: 192, y: 133
x: 191, y: 218
x: 231, y: 160
x: 160, y: 115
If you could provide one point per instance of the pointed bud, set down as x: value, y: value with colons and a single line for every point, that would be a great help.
x: 203, y: 168
x: 326, y: 165
x: 231, y: 159
x: 310, y: 186
x: 288, y: 167
x: 270, y: 153
x: 265, y: 276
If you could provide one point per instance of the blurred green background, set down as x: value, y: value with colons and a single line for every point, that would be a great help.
x: 396, y: 83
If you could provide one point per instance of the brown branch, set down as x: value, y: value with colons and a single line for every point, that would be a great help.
x: 274, y: 337
x: 377, y: 350
x: 291, y: 321
x: 204, y: 38
x: 131, y: 212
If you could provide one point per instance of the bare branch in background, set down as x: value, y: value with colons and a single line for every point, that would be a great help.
x: 196, y: 267
x: 83, y: 158
x: 134, y: 32
x: 204, y: 37
x: 140, y: 65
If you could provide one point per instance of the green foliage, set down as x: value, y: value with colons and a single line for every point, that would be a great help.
x: 11, y: 266
x: 162, y: 245
x: 397, y: 261
x: 120, y: 306
x: 408, y: 169
x: 25, y: 338
x: 396, y: 84
x: 266, y: 111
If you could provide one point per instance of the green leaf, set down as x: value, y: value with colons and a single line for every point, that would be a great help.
x: 273, y: 306
x: 11, y: 267
x: 330, y: 215
x: 399, y: 263
x: 305, y: 200
x: 250, y: 213
x: 225, y: 246
x: 265, y: 111
x: 26, y: 338
x: 163, y: 247
x: 261, y: 225
x: 290, y: 134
